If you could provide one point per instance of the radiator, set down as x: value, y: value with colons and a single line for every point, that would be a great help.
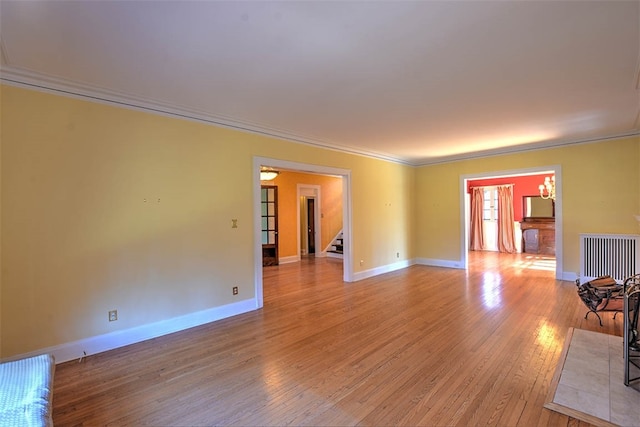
x: 616, y: 255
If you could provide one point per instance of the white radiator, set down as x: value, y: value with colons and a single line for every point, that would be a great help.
x: 616, y: 255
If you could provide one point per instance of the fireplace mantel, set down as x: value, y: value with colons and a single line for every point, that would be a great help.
x: 538, y: 235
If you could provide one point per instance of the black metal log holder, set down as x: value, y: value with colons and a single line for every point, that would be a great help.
x: 631, y: 339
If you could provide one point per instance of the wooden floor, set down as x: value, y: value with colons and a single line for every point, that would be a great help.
x: 421, y: 346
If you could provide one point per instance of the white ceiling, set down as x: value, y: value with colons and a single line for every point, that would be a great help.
x: 413, y: 82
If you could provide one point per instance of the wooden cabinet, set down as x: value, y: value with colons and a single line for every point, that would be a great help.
x: 539, y: 236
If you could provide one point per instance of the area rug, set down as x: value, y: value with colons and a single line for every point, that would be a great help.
x: 589, y: 381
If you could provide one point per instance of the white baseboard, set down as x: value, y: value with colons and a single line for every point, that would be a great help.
x: 288, y: 259
x: 381, y: 270
x: 439, y: 263
x: 569, y: 276
x: 112, y: 340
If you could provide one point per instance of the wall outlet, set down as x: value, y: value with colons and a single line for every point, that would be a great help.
x: 113, y: 315
x: 397, y: 254
x: 235, y: 290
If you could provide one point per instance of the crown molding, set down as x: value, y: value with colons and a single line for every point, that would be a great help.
x: 32, y: 80
x: 525, y: 148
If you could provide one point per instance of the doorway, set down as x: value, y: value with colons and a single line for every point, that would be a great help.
x: 465, y: 210
x: 311, y: 228
x: 345, y: 174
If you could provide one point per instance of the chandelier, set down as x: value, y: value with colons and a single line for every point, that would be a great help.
x: 549, y: 186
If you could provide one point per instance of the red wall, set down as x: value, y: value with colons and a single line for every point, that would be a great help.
x: 523, y: 186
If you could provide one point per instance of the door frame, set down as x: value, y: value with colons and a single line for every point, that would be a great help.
x: 465, y: 209
x: 312, y: 192
x: 347, y: 261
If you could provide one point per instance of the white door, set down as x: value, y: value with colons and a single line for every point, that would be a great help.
x: 490, y: 218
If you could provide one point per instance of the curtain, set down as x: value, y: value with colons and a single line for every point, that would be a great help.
x: 476, y: 228
x: 506, y: 231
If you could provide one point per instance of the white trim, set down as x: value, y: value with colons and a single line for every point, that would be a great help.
x: 347, y: 227
x: 382, y: 270
x: 569, y: 276
x: 13, y: 76
x: 289, y: 259
x: 439, y: 263
x: 310, y: 191
x: 257, y: 233
x: 545, y: 145
x: 464, y: 220
x: 112, y: 340
x: 17, y: 77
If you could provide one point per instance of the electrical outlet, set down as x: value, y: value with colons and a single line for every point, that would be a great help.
x: 235, y: 290
x: 397, y: 254
x: 113, y: 315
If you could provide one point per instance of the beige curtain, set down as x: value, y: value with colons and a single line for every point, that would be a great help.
x: 476, y: 228
x: 506, y: 232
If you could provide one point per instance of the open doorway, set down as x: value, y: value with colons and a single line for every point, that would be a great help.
x: 309, y: 224
x: 465, y: 211
x: 345, y: 174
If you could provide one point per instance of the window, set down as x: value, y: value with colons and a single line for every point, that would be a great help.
x: 268, y: 205
x: 269, y: 214
x: 490, y: 208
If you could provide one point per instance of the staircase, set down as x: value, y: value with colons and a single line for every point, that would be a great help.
x: 336, y: 247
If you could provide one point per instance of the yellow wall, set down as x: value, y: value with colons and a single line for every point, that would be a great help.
x: 289, y: 207
x: 109, y: 208
x: 600, y: 194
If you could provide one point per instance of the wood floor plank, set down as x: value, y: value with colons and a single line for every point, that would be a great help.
x: 418, y: 346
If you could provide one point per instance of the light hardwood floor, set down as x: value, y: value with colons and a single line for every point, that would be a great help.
x: 421, y: 346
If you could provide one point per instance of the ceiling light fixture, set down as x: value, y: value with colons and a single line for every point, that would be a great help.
x: 268, y: 174
x: 550, y: 186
